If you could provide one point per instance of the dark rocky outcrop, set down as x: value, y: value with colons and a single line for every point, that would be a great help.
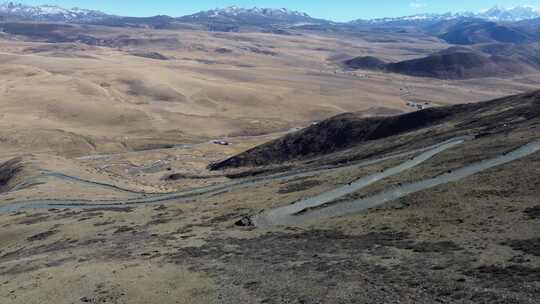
x: 151, y: 55
x: 8, y: 172
x: 365, y: 63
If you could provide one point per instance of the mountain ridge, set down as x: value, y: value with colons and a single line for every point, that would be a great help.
x: 49, y: 13
x: 56, y: 13
x: 496, y: 13
x: 349, y: 130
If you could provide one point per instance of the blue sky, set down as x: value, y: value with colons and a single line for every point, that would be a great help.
x: 339, y: 10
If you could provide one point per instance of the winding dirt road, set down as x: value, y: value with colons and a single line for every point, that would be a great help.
x: 321, y: 207
x: 283, y: 214
x: 144, y: 198
x: 318, y: 207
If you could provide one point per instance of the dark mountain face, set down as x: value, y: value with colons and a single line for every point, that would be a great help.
x: 454, y: 63
x: 473, y: 32
x: 332, y: 135
x: 352, y: 130
x: 451, y: 65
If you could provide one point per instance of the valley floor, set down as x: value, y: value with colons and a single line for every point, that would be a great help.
x: 153, y: 89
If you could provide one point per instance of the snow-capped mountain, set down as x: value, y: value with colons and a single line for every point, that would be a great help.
x: 235, y: 16
x: 497, y: 13
x: 410, y: 19
x: 517, y: 13
x: 266, y: 12
x: 250, y: 15
x: 50, y: 13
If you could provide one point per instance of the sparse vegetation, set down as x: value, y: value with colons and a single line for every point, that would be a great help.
x: 113, y: 131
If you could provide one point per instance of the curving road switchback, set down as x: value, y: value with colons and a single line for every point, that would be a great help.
x: 321, y: 207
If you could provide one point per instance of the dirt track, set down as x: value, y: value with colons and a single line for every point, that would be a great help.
x: 152, y: 198
x: 314, y: 209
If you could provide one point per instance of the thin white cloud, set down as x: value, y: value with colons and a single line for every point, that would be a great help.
x: 418, y: 5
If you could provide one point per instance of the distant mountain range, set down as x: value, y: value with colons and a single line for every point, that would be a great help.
x: 517, y: 13
x: 256, y: 16
x: 493, y: 42
x: 51, y: 13
x: 48, y: 13
x: 235, y: 13
x: 497, y: 14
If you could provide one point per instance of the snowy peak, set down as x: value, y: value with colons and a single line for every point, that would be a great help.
x: 516, y: 13
x: 411, y: 19
x: 497, y: 13
x: 262, y: 12
x: 48, y: 13
x: 253, y: 15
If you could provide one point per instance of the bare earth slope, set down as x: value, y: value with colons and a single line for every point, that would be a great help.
x: 76, y: 90
x: 470, y: 239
